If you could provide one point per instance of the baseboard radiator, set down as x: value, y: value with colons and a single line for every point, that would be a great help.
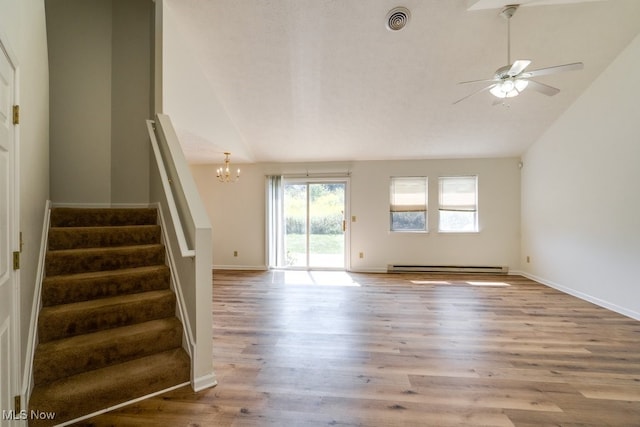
x: 401, y: 268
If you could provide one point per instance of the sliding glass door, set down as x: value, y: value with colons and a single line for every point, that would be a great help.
x: 314, y: 224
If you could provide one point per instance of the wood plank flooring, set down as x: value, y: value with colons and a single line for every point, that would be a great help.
x: 343, y: 349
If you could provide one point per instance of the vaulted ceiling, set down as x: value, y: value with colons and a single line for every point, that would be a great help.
x: 326, y: 80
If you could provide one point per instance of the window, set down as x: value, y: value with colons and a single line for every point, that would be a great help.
x: 408, y: 208
x: 458, y: 204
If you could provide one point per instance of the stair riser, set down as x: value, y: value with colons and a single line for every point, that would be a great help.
x: 73, y: 217
x: 56, y: 324
x: 52, y: 362
x: 99, y: 237
x: 76, y: 289
x: 79, y: 261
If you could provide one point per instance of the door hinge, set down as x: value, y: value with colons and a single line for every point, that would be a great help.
x: 18, y: 404
x: 16, y: 260
x: 16, y: 114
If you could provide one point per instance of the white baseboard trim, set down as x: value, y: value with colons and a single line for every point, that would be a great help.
x: 204, y: 382
x: 240, y: 267
x: 583, y: 296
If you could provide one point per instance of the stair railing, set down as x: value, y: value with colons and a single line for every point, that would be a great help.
x: 187, y: 232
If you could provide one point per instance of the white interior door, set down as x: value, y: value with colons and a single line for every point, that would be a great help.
x: 8, y: 238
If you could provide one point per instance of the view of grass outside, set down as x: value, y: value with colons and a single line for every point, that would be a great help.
x: 326, y: 213
x: 318, y: 243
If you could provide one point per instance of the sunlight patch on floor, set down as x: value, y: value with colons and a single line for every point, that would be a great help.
x: 319, y: 278
x: 472, y: 283
x: 495, y: 284
x: 430, y: 282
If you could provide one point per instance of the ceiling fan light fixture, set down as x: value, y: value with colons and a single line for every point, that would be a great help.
x: 521, y: 84
x: 508, y: 88
x: 510, y: 80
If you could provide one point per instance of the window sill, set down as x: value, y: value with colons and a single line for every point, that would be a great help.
x: 458, y: 232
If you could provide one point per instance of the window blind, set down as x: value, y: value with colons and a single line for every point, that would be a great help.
x: 408, y: 194
x: 458, y: 193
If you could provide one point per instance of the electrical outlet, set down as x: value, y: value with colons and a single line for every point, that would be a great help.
x: 235, y: 253
x: 361, y: 254
x: 528, y: 259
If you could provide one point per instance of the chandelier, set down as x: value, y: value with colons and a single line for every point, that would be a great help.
x: 224, y: 172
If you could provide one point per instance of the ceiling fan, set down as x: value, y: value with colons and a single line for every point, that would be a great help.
x: 511, y: 80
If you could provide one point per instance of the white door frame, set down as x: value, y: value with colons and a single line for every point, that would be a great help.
x: 13, y: 224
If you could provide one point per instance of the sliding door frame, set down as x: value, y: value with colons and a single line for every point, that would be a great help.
x: 280, y: 228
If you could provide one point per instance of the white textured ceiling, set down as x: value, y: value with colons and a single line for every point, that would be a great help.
x: 325, y: 80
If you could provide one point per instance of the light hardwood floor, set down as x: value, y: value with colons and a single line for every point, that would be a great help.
x: 337, y: 349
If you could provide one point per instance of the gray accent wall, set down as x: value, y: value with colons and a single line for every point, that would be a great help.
x: 100, y: 96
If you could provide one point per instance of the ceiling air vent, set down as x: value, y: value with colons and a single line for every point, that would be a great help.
x: 398, y: 18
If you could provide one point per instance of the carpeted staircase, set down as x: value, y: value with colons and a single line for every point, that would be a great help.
x: 107, y: 329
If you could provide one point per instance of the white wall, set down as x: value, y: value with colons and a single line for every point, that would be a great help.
x: 23, y: 24
x: 190, y: 101
x: 498, y: 216
x: 34, y: 149
x: 581, y: 196
x: 237, y: 213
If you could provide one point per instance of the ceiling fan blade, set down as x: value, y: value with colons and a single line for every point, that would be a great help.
x: 543, y: 88
x: 553, y: 70
x: 518, y: 67
x: 474, y: 93
x: 477, y: 81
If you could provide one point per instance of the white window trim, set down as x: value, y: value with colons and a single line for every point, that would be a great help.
x: 475, y: 211
x: 426, y: 205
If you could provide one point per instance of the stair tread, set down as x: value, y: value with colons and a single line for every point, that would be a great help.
x: 105, y: 302
x: 71, y: 261
x: 110, y: 311
x: 105, y: 249
x: 66, y: 320
x: 104, y: 227
x: 70, y: 288
x: 73, y: 355
x: 95, y: 338
x: 104, y: 273
x: 63, y: 217
x: 84, y: 393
